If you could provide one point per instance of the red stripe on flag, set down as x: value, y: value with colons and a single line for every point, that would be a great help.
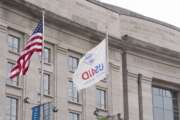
x: 25, y: 66
x: 15, y: 75
x: 28, y: 52
x: 16, y: 68
x: 34, y: 38
x: 34, y: 44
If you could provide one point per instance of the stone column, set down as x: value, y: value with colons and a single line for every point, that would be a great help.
x: 133, y: 98
x: 125, y: 85
x: 62, y: 88
x: 146, y: 84
x: 117, y: 90
x: 140, y: 97
x: 3, y: 74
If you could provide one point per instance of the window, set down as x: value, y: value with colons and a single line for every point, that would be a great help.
x: 74, y: 116
x: 47, y: 55
x: 72, y: 92
x: 47, y: 111
x: 101, y: 98
x: 73, y: 63
x: 11, y: 108
x: 46, y: 83
x: 13, y: 43
x: 165, y: 104
x: 14, y: 81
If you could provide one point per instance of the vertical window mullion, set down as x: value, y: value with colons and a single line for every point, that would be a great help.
x: 104, y: 99
x: 101, y: 99
x: 163, y: 105
x: 73, y: 98
x: 10, y: 108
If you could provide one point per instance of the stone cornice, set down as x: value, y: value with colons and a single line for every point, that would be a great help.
x: 132, y: 44
x: 124, y: 43
x: 126, y: 12
x: 3, y: 26
x: 114, y: 66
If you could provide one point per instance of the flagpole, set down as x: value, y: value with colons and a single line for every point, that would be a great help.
x: 107, y: 51
x: 108, y: 77
x: 42, y: 69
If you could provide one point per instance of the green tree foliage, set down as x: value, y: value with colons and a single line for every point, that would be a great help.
x: 102, y: 118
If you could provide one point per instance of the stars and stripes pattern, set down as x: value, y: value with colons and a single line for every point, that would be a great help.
x: 34, y: 44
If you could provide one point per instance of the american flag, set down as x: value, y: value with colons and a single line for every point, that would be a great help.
x: 34, y: 44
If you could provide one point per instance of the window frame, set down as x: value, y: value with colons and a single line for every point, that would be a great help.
x: 71, y: 59
x: 101, y: 106
x: 11, y: 47
x: 17, y: 106
x: 8, y: 80
x: 74, y: 113
x: 47, y: 60
x: 163, y: 94
x: 48, y: 110
x: 16, y: 34
x: 49, y: 84
x: 74, y: 93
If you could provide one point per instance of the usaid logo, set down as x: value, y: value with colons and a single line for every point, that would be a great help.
x: 90, y: 73
x: 89, y: 58
x: 94, y: 69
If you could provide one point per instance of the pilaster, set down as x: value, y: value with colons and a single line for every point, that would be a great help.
x: 3, y: 74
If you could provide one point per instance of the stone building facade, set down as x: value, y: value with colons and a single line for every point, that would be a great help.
x: 144, y: 80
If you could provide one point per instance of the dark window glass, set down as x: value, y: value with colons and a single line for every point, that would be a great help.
x: 164, y: 104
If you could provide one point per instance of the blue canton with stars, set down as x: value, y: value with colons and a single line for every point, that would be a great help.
x: 39, y: 28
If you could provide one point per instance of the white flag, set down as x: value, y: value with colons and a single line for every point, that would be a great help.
x: 92, y: 67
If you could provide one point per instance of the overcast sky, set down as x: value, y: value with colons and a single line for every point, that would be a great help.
x: 165, y: 10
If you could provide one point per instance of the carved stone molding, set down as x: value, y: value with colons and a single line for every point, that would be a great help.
x: 143, y: 78
x: 62, y: 50
x: 114, y: 66
x: 3, y: 26
x: 146, y: 78
x: 133, y: 75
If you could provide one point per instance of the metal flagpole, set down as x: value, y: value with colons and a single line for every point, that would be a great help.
x: 42, y: 69
x: 107, y: 64
x: 108, y: 77
x: 107, y: 51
